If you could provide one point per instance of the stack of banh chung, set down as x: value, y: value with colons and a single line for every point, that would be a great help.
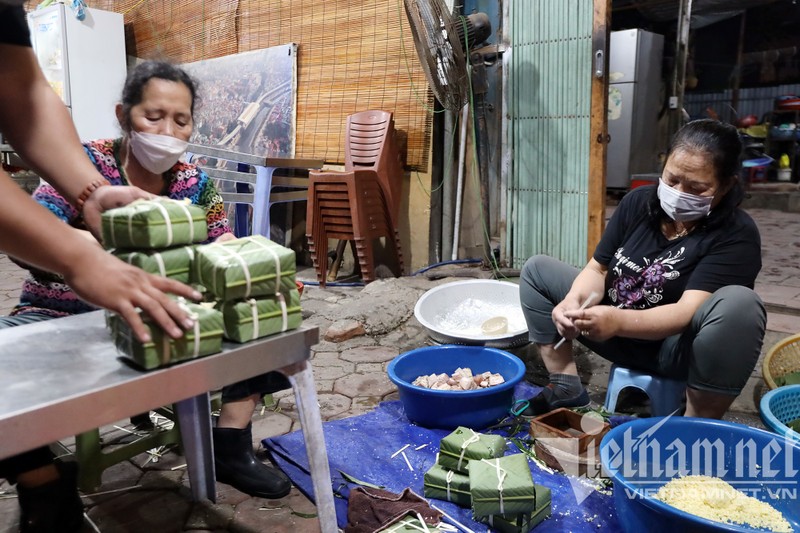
x: 472, y: 471
x: 251, y: 280
x: 159, y: 237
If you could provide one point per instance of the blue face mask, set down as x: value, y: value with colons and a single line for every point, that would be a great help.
x: 682, y: 206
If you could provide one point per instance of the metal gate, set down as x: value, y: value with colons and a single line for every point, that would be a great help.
x: 549, y: 128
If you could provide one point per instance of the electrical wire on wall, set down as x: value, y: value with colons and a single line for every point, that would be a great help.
x: 484, y: 221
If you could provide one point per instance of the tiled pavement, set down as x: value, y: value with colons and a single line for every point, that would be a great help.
x: 145, y: 495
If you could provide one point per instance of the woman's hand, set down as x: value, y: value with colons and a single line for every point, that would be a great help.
x: 225, y: 237
x: 104, y: 198
x: 566, y: 328
x: 103, y: 280
x: 585, y: 293
x: 597, y: 323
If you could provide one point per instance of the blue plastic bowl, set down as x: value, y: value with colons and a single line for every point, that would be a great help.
x: 780, y: 406
x: 643, y: 455
x: 474, y: 409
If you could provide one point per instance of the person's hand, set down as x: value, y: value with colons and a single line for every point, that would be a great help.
x: 109, y: 197
x: 566, y: 328
x: 598, y: 323
x: 105, y: 281
x: 225, y: 237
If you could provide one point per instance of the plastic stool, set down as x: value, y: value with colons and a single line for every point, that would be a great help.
x: 666, y: 395
x: 93, y: 460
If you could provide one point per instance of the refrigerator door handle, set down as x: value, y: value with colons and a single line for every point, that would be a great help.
x: 599, y: 64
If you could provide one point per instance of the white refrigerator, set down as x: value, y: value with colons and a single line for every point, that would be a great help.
x: 84, y: 61
x: 634, y: 101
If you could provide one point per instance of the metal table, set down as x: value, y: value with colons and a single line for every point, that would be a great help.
x: 62, y: 377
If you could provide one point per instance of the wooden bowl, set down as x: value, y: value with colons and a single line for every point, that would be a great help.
x: 568, y: 442
x: 567, y: 427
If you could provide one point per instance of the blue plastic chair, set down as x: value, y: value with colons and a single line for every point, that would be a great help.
x: 666, y: 395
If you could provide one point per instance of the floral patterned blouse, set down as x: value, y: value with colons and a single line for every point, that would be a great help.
x: 46, y: 293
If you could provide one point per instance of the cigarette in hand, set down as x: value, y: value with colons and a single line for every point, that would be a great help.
x: 586, y: 303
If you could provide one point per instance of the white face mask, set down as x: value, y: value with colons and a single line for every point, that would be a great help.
x: 157, y: 153
x: 682, y: 206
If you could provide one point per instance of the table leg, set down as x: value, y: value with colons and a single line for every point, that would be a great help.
x: 194, y: 417
x: 302, y: 380
x: 261, y: 203
x: 241, y: 218
x: 287, y: 234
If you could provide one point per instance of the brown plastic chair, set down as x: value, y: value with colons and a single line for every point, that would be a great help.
x: 371, y: 144
x: 349, y: 206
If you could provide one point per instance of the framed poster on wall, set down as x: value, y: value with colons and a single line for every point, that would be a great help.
x: 248, y: 101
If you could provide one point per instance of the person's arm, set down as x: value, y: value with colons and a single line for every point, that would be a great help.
x: 30, y: 233
x: 590, y: 280
x: 37, y: 124
x: 209, y: 199
x: 604, y: 321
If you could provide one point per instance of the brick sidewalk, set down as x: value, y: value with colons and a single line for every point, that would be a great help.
x: 11, y: 277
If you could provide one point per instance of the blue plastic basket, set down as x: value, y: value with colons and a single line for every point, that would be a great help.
x: 475, y: 409
x: 780, y: 406
x: 643, y: 455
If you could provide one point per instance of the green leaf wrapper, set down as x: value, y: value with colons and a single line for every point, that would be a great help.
x: 273, y: 316
x: 473, y: 445
x: 502, y: 486
x: 447, y: 485
x: 154, y: 224
x: 246, y: 268
x: 173, y: 263
x: 522, y: 523
x: 163, y: 350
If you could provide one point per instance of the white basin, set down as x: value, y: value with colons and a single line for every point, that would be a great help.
x: 454, y: 313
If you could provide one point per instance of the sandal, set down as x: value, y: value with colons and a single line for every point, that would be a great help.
x: 544, y: 402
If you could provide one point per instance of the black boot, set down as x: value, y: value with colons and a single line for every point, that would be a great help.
x: 55, y: 507
x: 237, y: 465
x: 142, y: 422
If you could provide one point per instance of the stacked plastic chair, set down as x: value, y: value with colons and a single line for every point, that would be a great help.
x: 371, y: 144
x: 362, y: 203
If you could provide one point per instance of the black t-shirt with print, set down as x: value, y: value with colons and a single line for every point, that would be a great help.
x: 13, y: 27
x: 646, y: 270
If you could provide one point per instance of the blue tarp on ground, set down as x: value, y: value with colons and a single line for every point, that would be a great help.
x: 362, y: 447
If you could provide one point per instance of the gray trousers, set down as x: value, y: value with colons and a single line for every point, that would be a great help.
x: 716, y: 353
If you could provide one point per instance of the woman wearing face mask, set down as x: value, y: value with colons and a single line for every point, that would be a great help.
x: 670, y: 283
x: 156, y: 119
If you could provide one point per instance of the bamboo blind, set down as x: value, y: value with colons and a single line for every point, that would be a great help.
x: 352, y: 56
